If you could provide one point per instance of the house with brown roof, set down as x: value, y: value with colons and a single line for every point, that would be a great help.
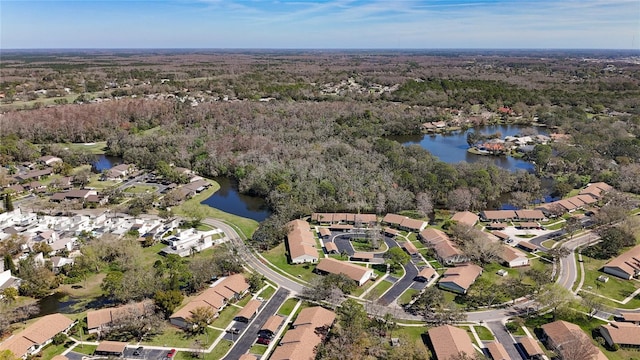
x: 426, y: 274
x: 623, y: 334
x: 110, y: 348
x: 527, y: 246
x: 34, y: 175
x: 458, y: 279
x: 49, y: 160
x: 625, y: 265
x: 301, y: 243
x: 413, y: 225
x: 393, y: 220
x: 530, y: 215
x: 497, y: 215
x: 465, y: 217
x: 512, y: 257
x: 102, y: 319
x: 448, y: 342
x: 359, y: 274
x: 119, y: 172
x: 496, y: 226
x: 564, y: 337
x: 271, y: 326
x: 361, y: 220
x: 75, y: 194
x: 331, y: 247
x: 409, y: 248
x: 362, y: 256
x: 532, y: 349
x: 631, y: 317
x: 216, y: 298
x: 309, y: 330
x: 248, y: 311
x: 497, y: 351
x: 445, y: 251
x: 37, y: 335
x: 596, y: 190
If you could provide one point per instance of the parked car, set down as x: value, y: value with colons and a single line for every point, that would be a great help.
x: 138, y: 351
x: 233, y: 330
x: 171, y: 353
x: 264, y: 341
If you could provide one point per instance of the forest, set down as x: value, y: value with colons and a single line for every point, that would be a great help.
x: 310, y: 130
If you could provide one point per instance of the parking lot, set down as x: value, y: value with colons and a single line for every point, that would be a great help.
x: 145, y: 353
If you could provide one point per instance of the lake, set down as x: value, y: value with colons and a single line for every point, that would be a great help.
x: 228, y: 199
x: 106, y: 162
x: 452, y: 147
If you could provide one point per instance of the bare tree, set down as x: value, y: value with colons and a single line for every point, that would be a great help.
x: 424, y: 203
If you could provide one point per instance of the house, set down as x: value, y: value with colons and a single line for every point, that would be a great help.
x: 513, y: 258
x: 466, y: 218
x: 309, y: 330
x: 500, y: 235
x: 449, y: 342
x: 446, y: 252
x: 331, y: 248
x: 530, y: 215
x: 7, y: 280
x: 409, y: 248
x: 630, y: 317
x: 359, y: 274
x: 564, y: 337
x: 496, y: 226
x: 118, y: 172
x: 102, y: 319
x: 393, y: 220
x: 527, y: 246
x: 34, y: 175
x: 413, y: 225
x: 596, y: 190
x: 57, y: 262
x: 216, y: 297
x: 110, y: 348
x: 248, y: 311
x: 390, y: 232
x: 301, y: 243
x: 497, y: 351
x: 37, y: 335
x: 49, y: 160
x: 75, y: 194
x: 626, y: 265
x: 497, y: 215
x: 531, y: 348
x: 361, y: 220
x: 362, y: 256
x: 324, y: 233
x: 623, y: 334
x: 426, y: 274
x: 190, y: 241
x: 460, y: 278
x: 528, y: 225
x: 271, y: 326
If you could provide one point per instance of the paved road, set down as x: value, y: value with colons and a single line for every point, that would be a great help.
x: 504, y: 338
x: 568, y: 266
x: 400, y: 286
x: 249, y: 336
x: 254, y: 262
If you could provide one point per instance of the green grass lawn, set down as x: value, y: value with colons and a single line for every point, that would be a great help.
x: 138, y: 189
x: 277, y: 257
x: 483, y: 333
x: 244, y: 301
x: 361, y: 289
x: 413, y: 333
x: 406, y: 296
x: 246, y: 226
x: 85, y: 349
x: 615, y: 288
x: 258, y: 349
x: 379, y: 269
x: 379, y: 289
x: 225, y: 317
x: 287, y: 307
x: 51, y: 350
x: 175, y: 337
x: 267, y: 292
x: 220, y: 350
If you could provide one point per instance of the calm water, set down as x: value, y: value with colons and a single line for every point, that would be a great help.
x: 452, y: 147
x: 228, y: 199
x: 105, y: 162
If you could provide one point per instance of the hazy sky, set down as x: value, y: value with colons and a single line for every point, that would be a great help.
x: 609, y: 24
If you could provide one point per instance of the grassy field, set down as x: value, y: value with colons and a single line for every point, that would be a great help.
x: 258, y: 349
x: 85, y: 349
x: 220, y: 350
x: 483, y: 333
x: 615, y: 288
x: 246, y: 226
x: 287, y: 307
x: 277, y: 257
x: 361, y: 289
x: 406, y: 296
x: 379, y: 289
x: 139, y: 189
x: 267, y: 293
x: 172, y: 336
x: 226, y: 316
x: 51, y: 350
x: 413, y: 333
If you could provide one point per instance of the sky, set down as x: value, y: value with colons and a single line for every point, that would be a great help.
x: 319, y: 24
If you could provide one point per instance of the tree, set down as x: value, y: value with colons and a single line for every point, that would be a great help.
x: 200, y: 318
x: 577, y: 347
x: 558, y: 252
x: 475, y: 243
x: 135, y: 324
x: 82, y: 177
x: 9, y: 264
x: 540, y: 155
x: 256, y: 282
x: 37, y: 280
x: 572, y: 225
x: 396, y: 258
x: 168, y: 301
x: 553, y: 296
x: 9, y: 294
x: 42, y: 247
x: 195, y: 212
x: 8, y: 204
x: 593, y: 303
x: 424, y: 203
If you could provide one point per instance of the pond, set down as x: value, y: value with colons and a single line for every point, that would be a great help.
x: 228, y: 199
x: 452, y: 147
x: 58, y: 302
x: 106, y: 162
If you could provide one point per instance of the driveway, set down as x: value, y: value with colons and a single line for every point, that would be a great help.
x: 400, y: 286
x: 250, y: 334
x: 504, y: 338
x: 145, y: 354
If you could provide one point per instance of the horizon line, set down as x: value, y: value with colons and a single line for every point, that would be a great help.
x: 323, y: 49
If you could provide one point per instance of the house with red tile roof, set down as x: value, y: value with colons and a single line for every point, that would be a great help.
x: 458, y: 279
x: 448, y: 342
x: 37, y: 335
